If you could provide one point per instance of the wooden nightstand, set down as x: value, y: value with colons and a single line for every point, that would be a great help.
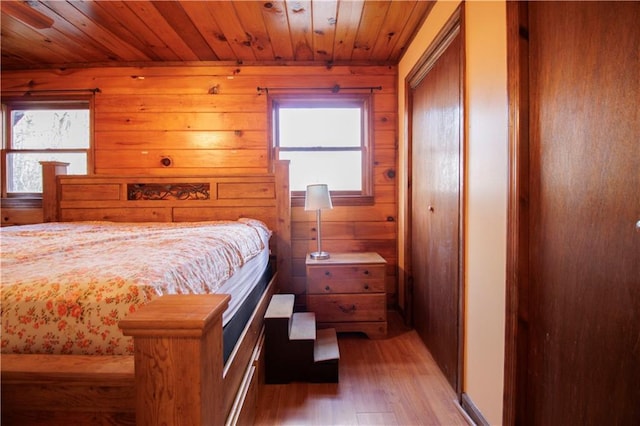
x: 347, y: 292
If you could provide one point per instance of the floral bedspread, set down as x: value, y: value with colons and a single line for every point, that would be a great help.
x: 65, y: 286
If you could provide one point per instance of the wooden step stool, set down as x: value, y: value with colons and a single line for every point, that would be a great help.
x: 294, y: 350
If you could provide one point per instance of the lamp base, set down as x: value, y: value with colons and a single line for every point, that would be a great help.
x: 319, y: 255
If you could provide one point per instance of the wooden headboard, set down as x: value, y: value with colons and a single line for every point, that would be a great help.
x: 264, y: 196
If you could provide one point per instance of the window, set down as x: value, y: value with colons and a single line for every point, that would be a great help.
x: 43, y: 131
x: 326, y: 139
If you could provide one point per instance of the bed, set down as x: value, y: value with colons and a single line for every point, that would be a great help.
x: 164, y: 342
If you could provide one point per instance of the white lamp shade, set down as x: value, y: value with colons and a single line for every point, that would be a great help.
x: 317, y: 197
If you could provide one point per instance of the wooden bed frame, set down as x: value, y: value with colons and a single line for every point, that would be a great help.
x: 176, y: 375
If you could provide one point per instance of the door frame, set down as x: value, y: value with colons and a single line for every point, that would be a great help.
x: 517, y: 267
x: 453, y: 27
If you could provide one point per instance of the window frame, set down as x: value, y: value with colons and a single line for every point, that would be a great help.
x: 338, y: 100
x: 10, y: 104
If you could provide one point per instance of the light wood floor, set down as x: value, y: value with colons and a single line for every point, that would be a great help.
x: 392, y: 381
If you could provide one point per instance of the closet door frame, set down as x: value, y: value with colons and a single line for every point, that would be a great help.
x: 453, y: 27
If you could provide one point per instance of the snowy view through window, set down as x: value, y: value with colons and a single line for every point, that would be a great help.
x: 45, y: 135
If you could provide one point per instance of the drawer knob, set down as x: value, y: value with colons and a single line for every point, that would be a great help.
x: 347, y: 309
x: 366, y: 286
x: 366, y: 272
x: 327, y: 273
x: 327, y: 288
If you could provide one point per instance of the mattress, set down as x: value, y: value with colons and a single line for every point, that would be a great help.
x: 65, y: 286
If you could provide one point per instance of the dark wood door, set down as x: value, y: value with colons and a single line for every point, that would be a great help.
x: 584, y: 305
x: 435, y: 208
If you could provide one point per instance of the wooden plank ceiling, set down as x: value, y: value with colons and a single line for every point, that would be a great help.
x: 63, y: 34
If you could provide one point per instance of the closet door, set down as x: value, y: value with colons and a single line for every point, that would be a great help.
x: 435, y: 208
x: 584, y: 305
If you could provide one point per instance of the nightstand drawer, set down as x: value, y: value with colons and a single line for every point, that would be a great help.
x: 323, y: 286
x: 348, y: 292
x: 338, y: 273
x: 347, y: 307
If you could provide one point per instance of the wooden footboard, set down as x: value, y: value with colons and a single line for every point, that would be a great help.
x: 178, y: 359
x: 175, y: 377
x: 52, y: 389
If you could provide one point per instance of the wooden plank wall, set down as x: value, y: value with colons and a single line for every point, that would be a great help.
x: 204, y: 118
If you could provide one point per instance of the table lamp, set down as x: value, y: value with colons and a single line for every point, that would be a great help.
x: 317, y: 198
